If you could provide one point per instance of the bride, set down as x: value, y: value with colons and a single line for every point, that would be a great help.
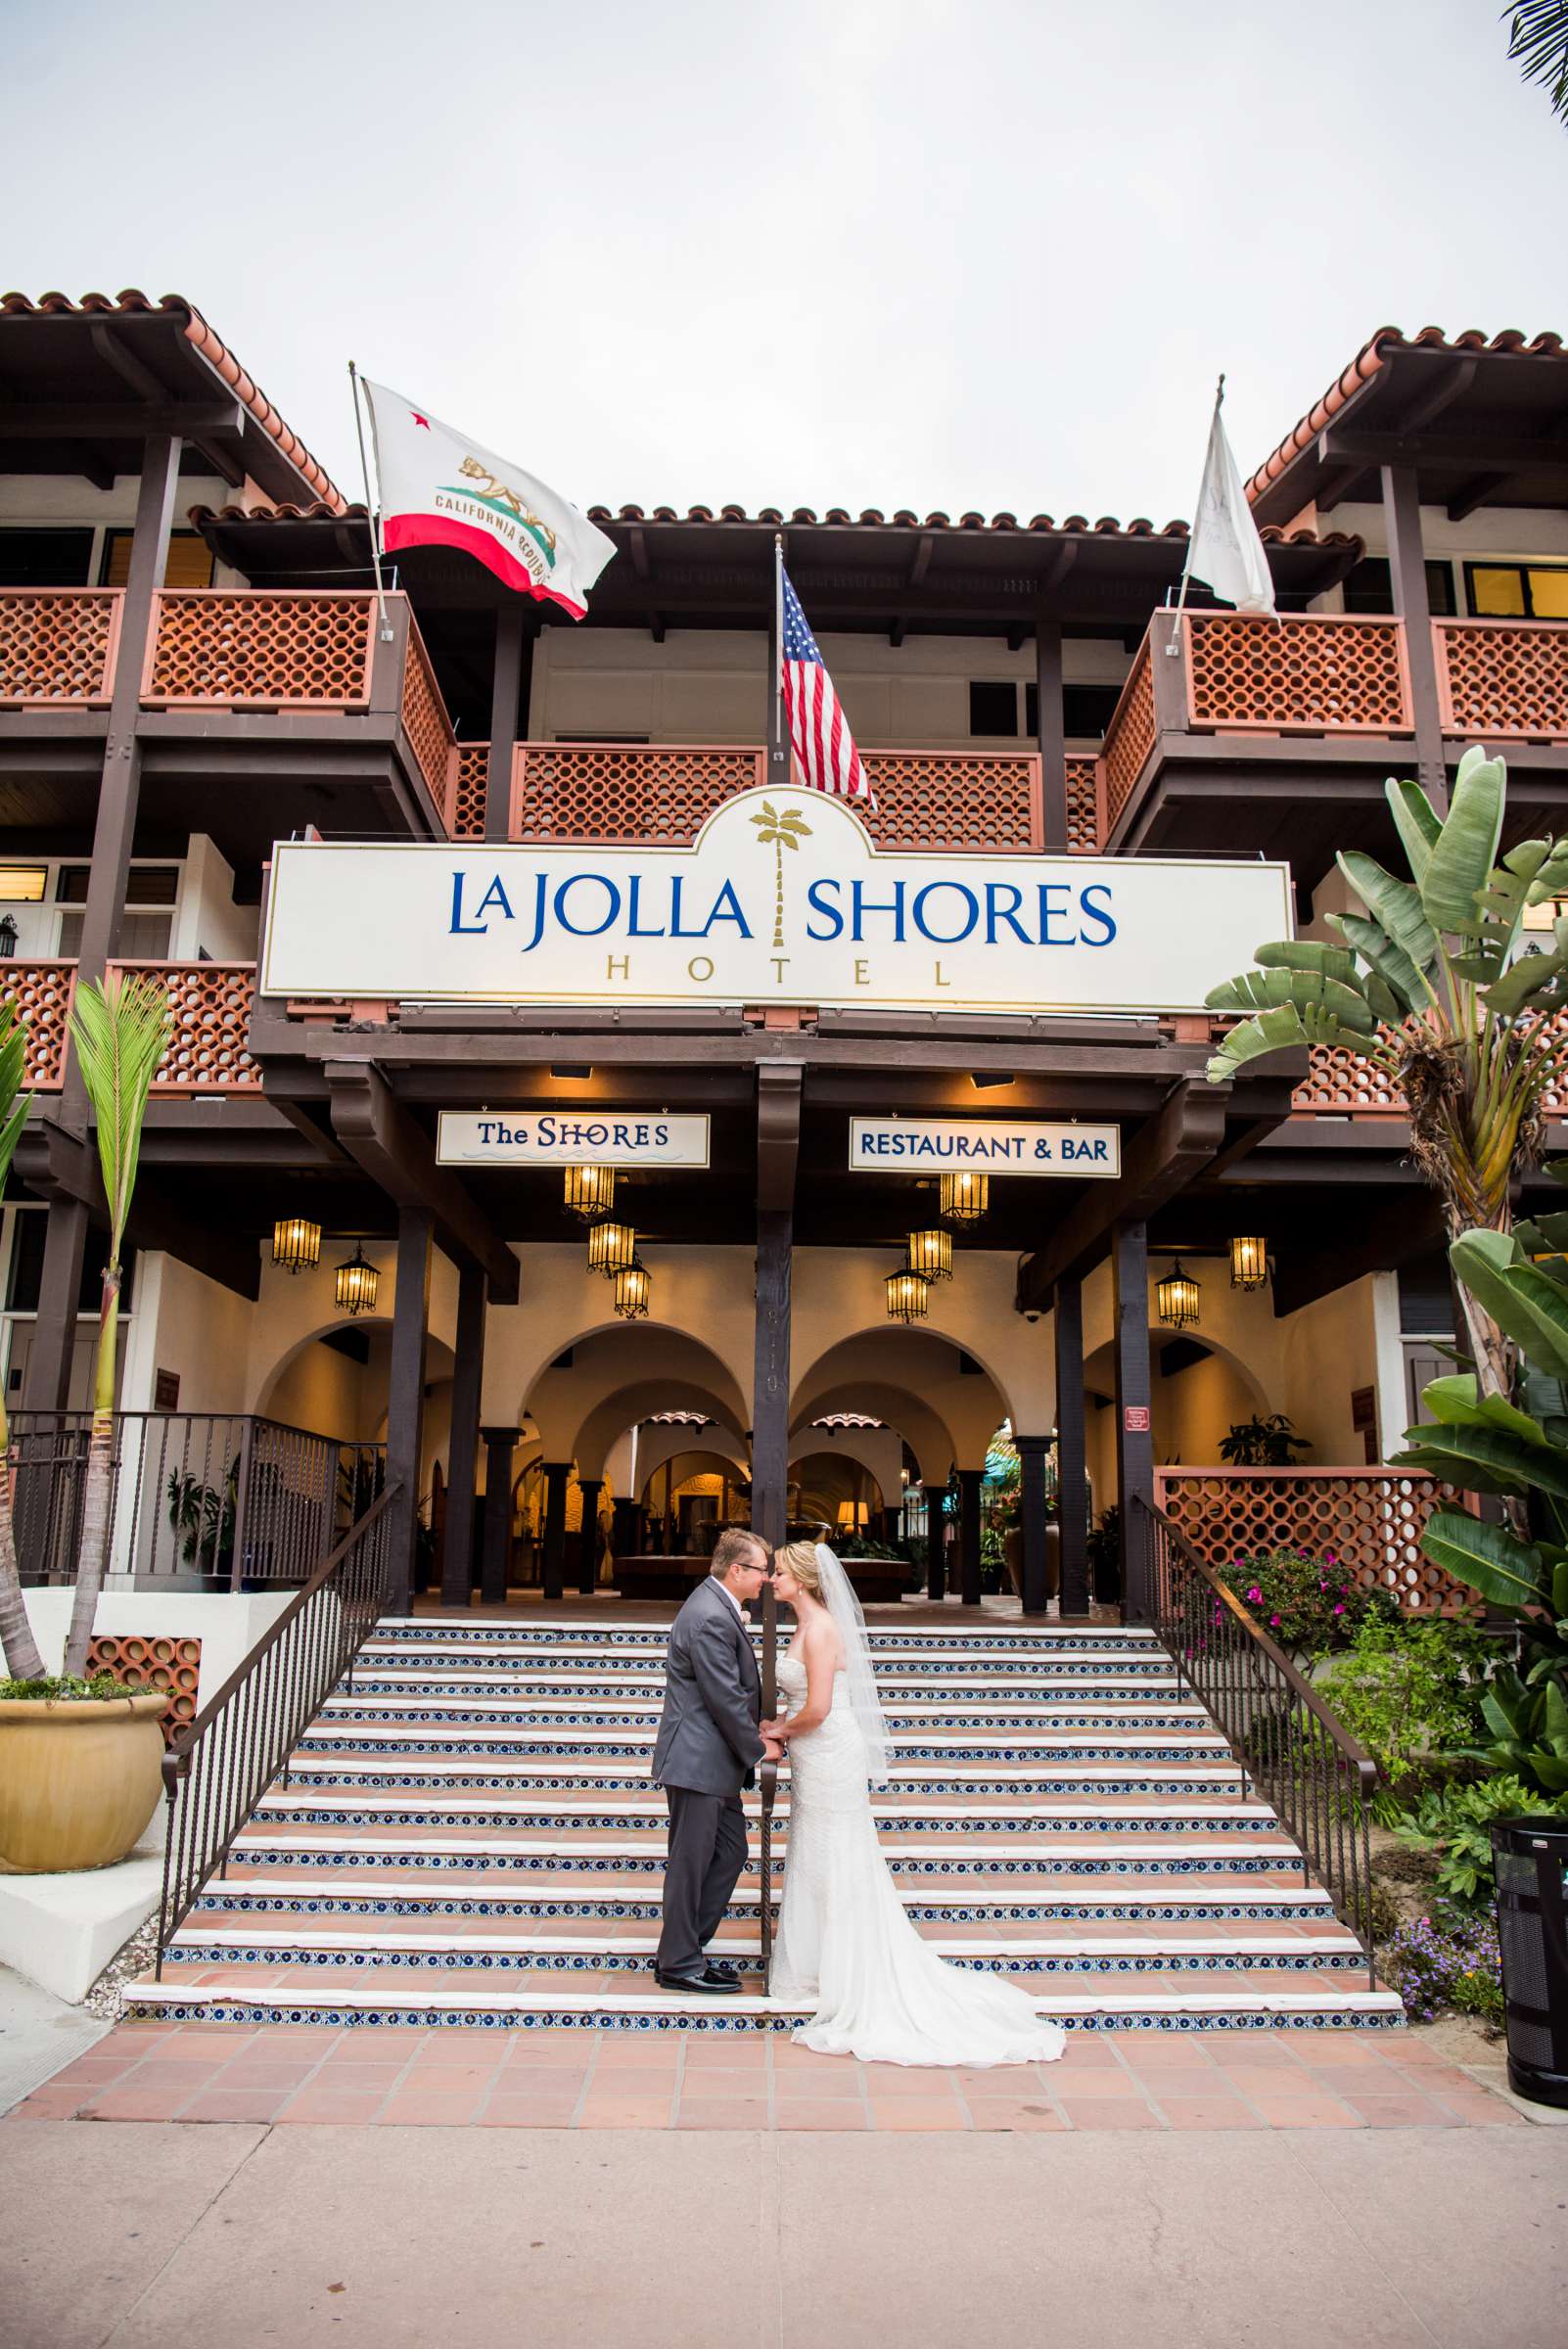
x: 845, y: 1944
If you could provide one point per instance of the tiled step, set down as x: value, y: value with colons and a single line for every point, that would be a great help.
x: 936, y: 1640
x: 1020, y: 1855
x: 439, y: 1947
x: 1105, y: 2008
x: 372, y: 1700
x: 328, y: 1891
x: 896, y: 1815
x: 479, y: 1773
x: 397, y: 1732
x: 542, y: 1666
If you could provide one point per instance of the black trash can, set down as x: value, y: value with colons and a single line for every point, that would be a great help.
x: 1531, y: 1858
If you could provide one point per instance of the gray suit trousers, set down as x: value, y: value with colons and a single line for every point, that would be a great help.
x: 706, y: 1853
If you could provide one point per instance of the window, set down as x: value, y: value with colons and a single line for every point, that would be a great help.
x: 189, y: 563
x: 147, y: 930
x: 1369, y: 588
x: 1517, y: 590
x: 45, y: 558
x: 1086, y: 711
x: 994, y: 709
x: 23, y: 884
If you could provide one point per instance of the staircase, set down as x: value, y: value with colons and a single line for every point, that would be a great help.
x: 467, y: 1835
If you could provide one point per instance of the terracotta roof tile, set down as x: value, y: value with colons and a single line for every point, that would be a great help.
x: 1365, y: 364
x: 216, y: 354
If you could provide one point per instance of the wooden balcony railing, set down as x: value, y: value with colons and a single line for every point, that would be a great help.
x: 1311, y: 673
x: 58, y: 646
x: 207, y: 1046
x: 1505, y: 679
x: 239, y: 650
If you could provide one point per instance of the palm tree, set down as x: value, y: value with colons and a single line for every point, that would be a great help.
x: 1538, y: 36
x: 23, y: 1660
x: 780, y: 832
x: 1438, y: 986
x: 121, y: 1029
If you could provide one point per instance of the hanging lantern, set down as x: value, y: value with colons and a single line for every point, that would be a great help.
x: 632, y: 1286
x: 931, y: 1255
x: 965, y: 1197
x: 590, y: 1192
x: 611, y: 1248
x: 908, y: 1296
x: 1249, y: 1264
x: 296, y: 1244
x: 1177, y: 1298
x: 356, y: 1283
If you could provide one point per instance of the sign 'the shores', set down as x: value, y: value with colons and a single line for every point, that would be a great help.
x: 570, y: 1138
x: 783, y: 898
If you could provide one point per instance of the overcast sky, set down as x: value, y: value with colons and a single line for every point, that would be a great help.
x: 930, y: 253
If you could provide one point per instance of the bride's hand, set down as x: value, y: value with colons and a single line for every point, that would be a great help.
x: 778, y: 1731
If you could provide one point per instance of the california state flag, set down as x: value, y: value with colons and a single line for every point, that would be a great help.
x: 439, y: 489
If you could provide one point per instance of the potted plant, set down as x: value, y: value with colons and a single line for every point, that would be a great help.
x: 1262, y: 1442
x: 80, y: 1761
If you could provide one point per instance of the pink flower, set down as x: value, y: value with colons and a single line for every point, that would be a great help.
x: 1339, y: 1610
x: 1274, y: 1619
x: 1254, y: 1592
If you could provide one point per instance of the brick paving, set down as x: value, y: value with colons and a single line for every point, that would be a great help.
x: 543, y: 2079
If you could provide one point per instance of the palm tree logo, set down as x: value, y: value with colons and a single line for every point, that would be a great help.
x: 780, y: 832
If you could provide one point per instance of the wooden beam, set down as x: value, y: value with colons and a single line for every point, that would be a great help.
x: 1134, y: 1431
x: 462, y: 1454
x: 71, y: 420
x: 1406, y: 561
x: 1377, y: 1240
x: 1463, y: 452
x: 394, y: 1150
x: 778, y: 1139
x: 1480, y: 490
x: 1161, y: 1159
x: 405, y: 1398
x: 1071, y: 1513
x: 778, y: 1133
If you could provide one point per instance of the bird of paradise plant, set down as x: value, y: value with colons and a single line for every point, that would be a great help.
x: 780, y: 832
x: 119, y: 1028
x: 1437, y: 986
x: 20, y: 1648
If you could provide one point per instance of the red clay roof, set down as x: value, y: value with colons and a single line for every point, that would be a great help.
x: 1365, y: 364
x: 218, y: 356
x: 772, y: 517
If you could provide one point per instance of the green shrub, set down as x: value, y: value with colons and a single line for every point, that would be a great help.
x: 1410, y: 1690
x: 1309, y: 1605
x: 1454, y: 1821
x: 53, y: 1686
x: 1440, y: 1961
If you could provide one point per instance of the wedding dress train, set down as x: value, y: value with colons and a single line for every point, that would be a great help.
x: 845, y: 1944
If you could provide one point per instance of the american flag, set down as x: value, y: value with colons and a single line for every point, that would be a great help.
x: 824, y: 746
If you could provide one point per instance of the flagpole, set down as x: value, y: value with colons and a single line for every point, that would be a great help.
x: 778, y: 776
x: 373, y: 519
x: 1186, y: 568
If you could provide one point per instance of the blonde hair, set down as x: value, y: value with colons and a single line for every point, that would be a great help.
x: 801, y: 1559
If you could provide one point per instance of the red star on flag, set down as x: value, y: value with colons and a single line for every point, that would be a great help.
x: 417, y: 419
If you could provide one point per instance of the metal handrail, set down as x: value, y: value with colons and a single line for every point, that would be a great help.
x: 1284, y: 1738
x: 768, y: 1785
x: 216, y: 1770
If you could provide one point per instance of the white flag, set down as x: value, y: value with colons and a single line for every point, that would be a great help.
x: 439, y: 489
x: 1226, y: 551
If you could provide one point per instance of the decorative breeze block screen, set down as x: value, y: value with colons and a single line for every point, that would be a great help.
x: 975, y: 799
x: 263, y: 650
x: 57, y: 645
x: 1372, y: 1519
x: 623, y: 791
x: 208, y: 1044
x: 41, y: 993
x: 1129, y: 737
x: 1082, y: 807
x: 1506, y: 677
x: 1306, y: 674
x: 145, y: 1666
x: 468, y: 771
x: 425, y: 720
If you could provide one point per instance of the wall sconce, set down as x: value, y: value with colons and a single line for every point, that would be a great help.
x: 1249, y: 1264
x: 355, y: 1284
x: 931, y: 1255
x: 8, y: 937
x: 590, y: 1192
x: 612, y: 1249
x: 965, y: 1197
x: 296, y: 1242
x: 1177, y: 1298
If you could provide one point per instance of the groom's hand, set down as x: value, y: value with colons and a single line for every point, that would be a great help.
x: 772, y: 1747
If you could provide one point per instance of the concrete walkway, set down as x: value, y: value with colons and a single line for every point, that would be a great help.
x: 125, y: 2236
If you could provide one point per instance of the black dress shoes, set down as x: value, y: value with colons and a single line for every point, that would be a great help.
x: 719, y: 1969
x: 710, y: 1984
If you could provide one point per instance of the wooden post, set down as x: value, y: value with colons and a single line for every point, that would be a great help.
x: 506, y: 684
x: 457, y: 1559
x: 626, y: 1527
x: 405, y: 1397
x: 1406, y: 562
x: 556, y: 1474
x: 936, y: 1541
x: 590, y: 1487
x: 1072, y: 1469
x: 499, y: 1445
x: 770, y: 1409
x: 1050, y: 730
x: 1134, y: 1439
x: 1032, y: 1450
x: 969, y: 1484
x: 46, y: 1382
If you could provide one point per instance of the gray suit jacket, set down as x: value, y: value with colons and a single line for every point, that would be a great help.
x: 708, y: 1738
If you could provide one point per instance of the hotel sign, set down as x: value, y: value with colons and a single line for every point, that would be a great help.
x: 761, y: 911
x: 570, y: 1138
x: 941, y: 1145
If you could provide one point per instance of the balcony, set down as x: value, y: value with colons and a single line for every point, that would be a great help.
x: 207, y: 1049
x: 295, y: 699
x: 1235, y: 734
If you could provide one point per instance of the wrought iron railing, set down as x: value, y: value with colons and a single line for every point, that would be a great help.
x: 767, y: 1787
x: 1301, y: 1760
x: 199, y: 1500
x: 217, y: 1770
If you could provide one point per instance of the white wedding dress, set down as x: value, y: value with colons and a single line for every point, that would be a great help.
x: 845, y: 1944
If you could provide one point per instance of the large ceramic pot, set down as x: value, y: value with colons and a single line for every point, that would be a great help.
x: 79, y: 1780
x: 1013, y: 1553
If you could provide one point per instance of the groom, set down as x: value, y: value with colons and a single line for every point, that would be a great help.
x: 707, y: 1750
